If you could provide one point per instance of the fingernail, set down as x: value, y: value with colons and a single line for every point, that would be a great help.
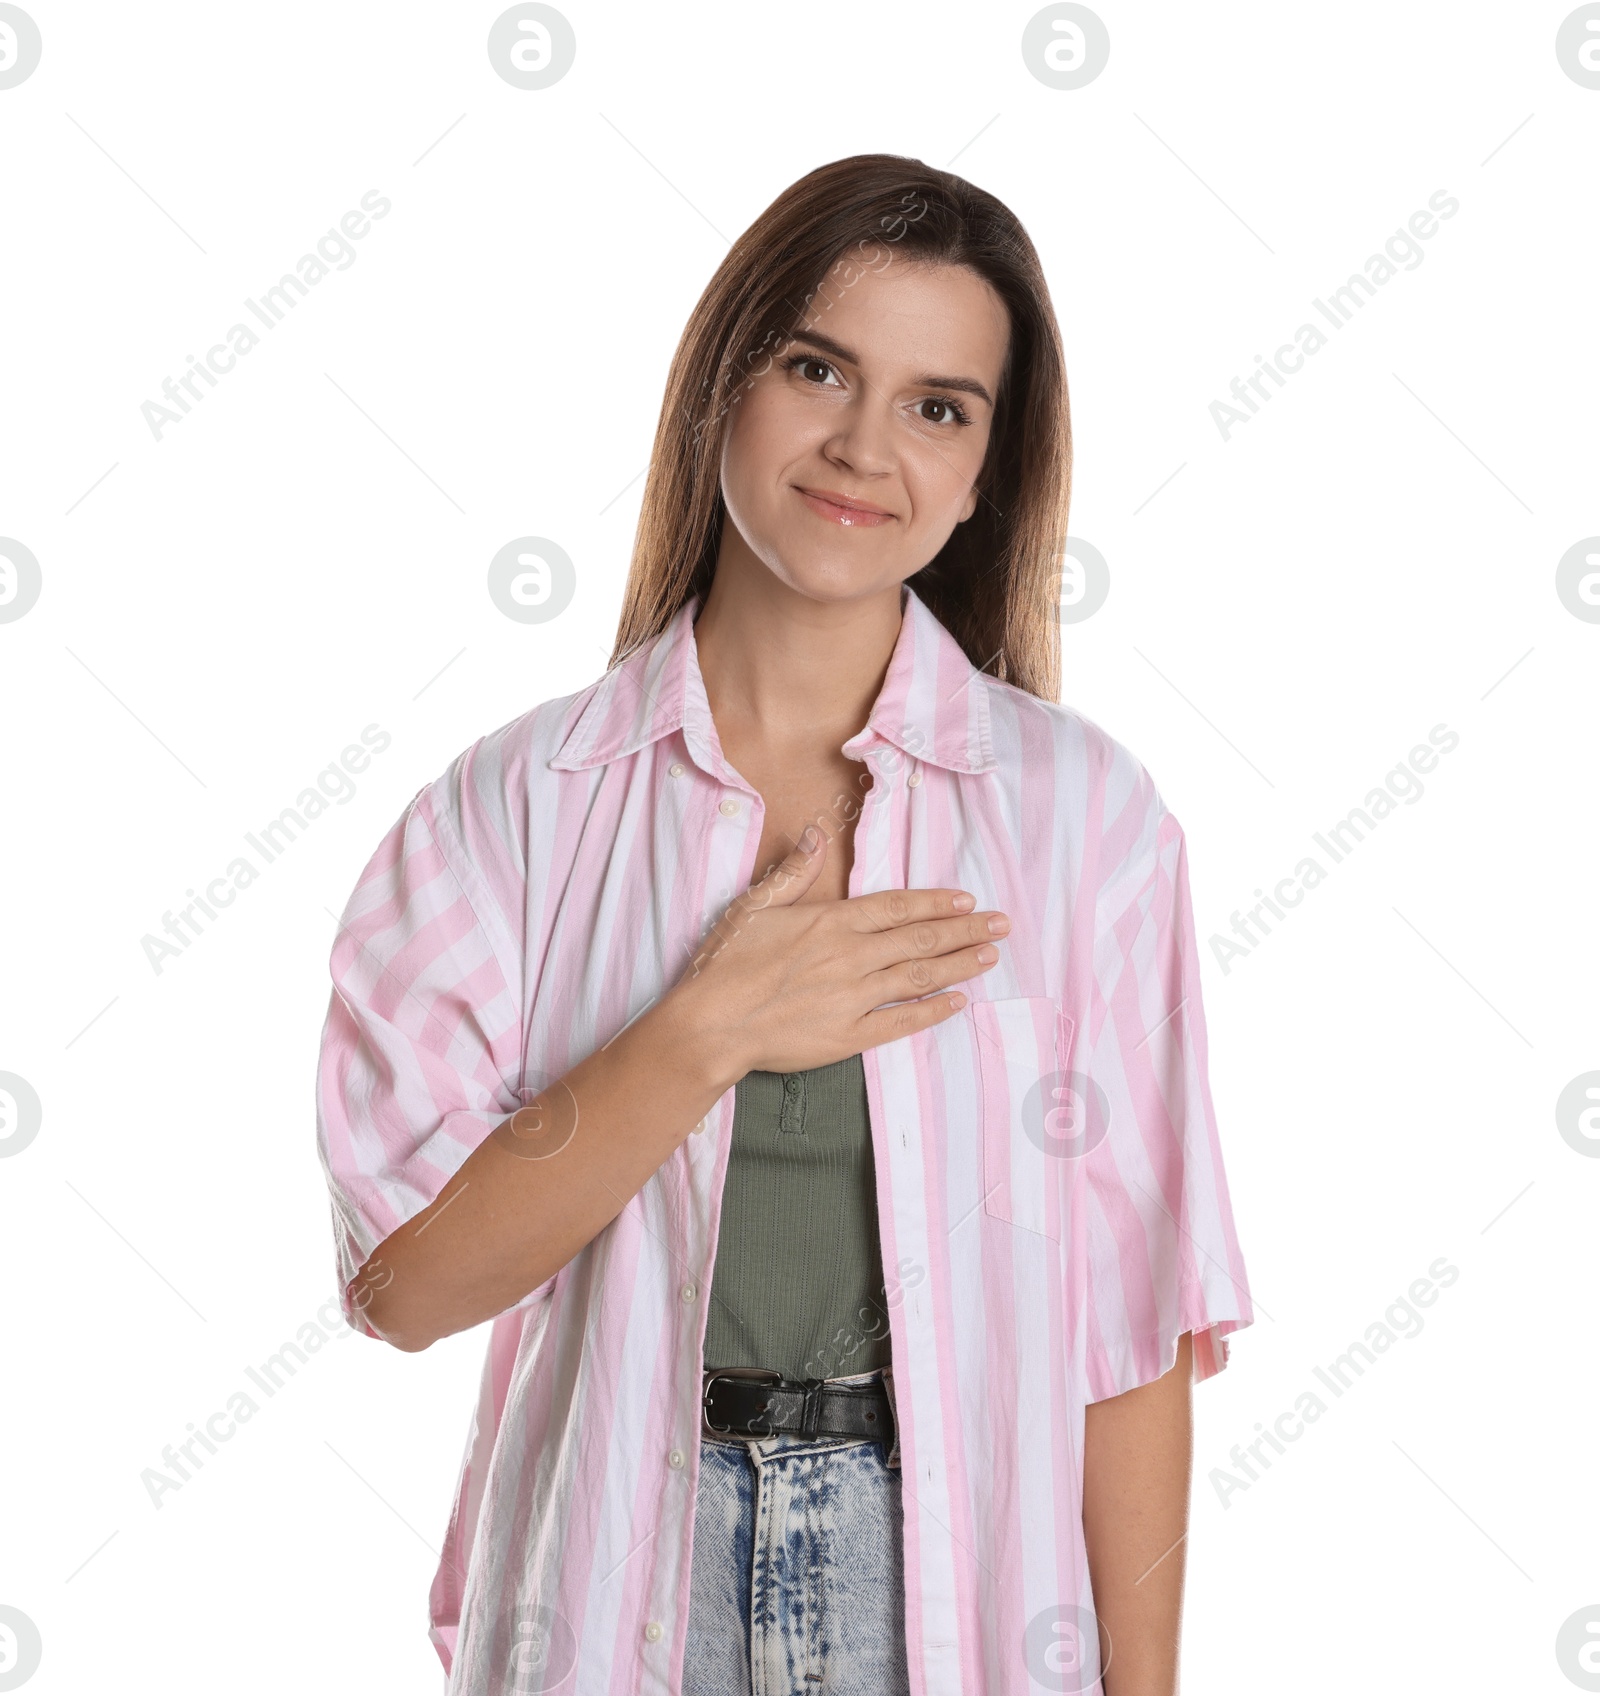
x: 809, y: 839
x: 963, y: 903
x: 999, y: 925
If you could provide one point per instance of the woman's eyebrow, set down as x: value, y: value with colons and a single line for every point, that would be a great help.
x: 837, y: 350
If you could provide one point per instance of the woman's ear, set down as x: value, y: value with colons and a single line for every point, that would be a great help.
x: 971, y: 506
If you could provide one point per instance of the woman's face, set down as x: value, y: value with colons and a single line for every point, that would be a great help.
x: 851, y: 458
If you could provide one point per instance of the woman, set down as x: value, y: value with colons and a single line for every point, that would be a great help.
x: 851, y: 1241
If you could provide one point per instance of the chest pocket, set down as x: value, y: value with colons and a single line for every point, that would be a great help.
x: 1034, y: 1109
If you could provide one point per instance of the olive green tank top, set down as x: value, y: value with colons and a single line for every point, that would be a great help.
x: 798, y: 1285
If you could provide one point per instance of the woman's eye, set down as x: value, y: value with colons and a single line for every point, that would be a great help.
x: 948, y: 411
x: 811, y: 369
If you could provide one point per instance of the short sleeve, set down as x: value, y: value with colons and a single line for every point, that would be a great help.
x: 1163, y: 1257
x: 421, y: 1049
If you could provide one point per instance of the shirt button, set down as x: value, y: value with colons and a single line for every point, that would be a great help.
x: 675, y: 1459
x: 728, y: 808
x: 688, y: 1292
x: 914, y: 779
x: 676, y: 768
x: 653, y: 1631
x: 698, y: 1129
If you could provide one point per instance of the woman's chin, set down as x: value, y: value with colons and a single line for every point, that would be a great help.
x: 833, y: 579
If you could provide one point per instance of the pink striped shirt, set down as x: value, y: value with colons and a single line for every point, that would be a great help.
x: 1053, y: 1208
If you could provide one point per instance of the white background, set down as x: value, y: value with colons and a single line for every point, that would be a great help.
x: 224, y: 609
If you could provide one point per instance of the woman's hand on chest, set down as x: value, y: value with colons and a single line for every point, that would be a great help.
x: 790, y: 977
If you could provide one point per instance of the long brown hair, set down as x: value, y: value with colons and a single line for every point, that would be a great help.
x: 995, y: 585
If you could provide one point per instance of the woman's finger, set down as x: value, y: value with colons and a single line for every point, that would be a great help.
x: 887, y: 909
x: 909, y: 978
x: 793, y: 875
x: 930, y: 937
x: 887, y: 1023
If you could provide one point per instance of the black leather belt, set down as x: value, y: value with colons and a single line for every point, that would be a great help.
x: 772, y: 1405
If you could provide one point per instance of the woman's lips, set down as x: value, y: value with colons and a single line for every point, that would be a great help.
x: 838, y: 509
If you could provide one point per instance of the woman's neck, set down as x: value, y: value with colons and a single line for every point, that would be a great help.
x: 785, y: 666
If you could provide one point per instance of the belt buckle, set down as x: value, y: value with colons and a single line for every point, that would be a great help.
x: 758, y: 1374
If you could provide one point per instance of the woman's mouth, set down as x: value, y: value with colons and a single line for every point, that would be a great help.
x: 843, y: 509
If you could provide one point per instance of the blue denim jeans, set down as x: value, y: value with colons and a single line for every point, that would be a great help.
x: 798, y: 1585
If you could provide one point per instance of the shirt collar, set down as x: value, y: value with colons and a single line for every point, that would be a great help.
x: 933, y: 706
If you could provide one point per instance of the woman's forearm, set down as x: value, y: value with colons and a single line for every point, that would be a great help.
x: 548, y: 1180
x: 1137, y: 1451
x: 774, y: 985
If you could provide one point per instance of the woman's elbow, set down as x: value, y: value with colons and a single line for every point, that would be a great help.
x: 377, y: 1296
